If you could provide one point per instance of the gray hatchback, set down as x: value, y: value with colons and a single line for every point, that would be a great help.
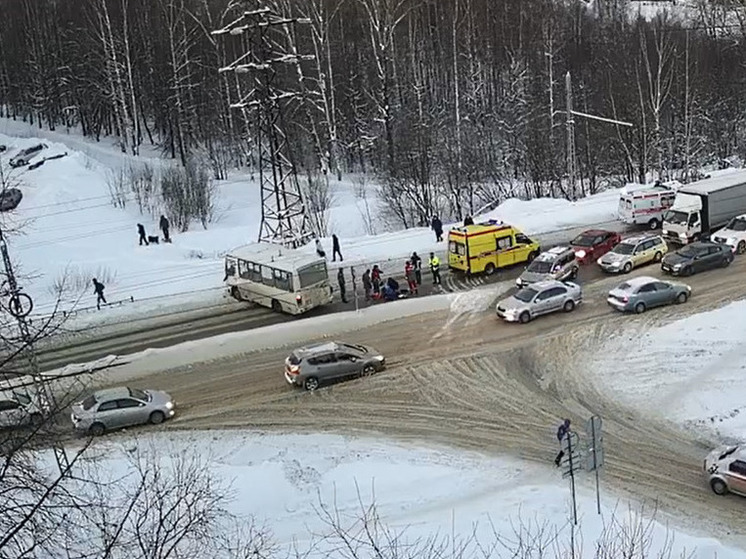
x: 644, y: 292
x: 311, y: 366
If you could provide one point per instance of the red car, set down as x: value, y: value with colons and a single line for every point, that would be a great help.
x: 593, y: 244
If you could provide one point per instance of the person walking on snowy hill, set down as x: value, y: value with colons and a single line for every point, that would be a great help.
x: 468, y: 221
x: 562, y: 432
x: 165, y: 225
x: 141, y: 233
x: 342, y: 285
x: 367, y: 284
x: 335, y: 249
x: 319, y: 249
x: 417, y: 264
x: 98, y: 290
x: 437, y: 227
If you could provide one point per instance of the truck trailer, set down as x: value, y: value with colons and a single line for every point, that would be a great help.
x: 704, y: 206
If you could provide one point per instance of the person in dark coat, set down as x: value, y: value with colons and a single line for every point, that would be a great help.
x: 342, y: 285
x: 141, y: 233
x: 417, y: 264
x: 165, y: 225
x: 98, y: 290
x: 367, y: 284
x: 437, y: 227
x: 468, y: 221
x: 562, y: 432
x: 375, y: 278
x: 335, y: 249
x: 320, y: 250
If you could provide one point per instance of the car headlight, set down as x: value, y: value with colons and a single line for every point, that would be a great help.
x: 731, y: 241
x: 169, y: 405
x: 379, y: 358
x: 682, y: 235
x: 581, y: 254
x: 665, y: 231
x: 677, y: 266
x: 615, y: 264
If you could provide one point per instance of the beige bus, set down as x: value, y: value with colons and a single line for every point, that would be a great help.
x: 282, y: 279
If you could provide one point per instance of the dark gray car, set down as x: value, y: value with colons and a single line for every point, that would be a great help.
x: 697, y: 257
x: 311, y: 366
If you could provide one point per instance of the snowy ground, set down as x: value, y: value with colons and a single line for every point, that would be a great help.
x: 692, y: 371
x: 71, y: 229
x: 419, y: 492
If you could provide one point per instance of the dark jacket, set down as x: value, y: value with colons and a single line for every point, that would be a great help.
x: 335, y: 242
x: 416, y: 261
x: 437, y: 225
x: 163, y: 223
x: 341, y: 277
x: 98, y: 287
x: 562, y: 432
x: 367, y: 284
x: 141, y: 229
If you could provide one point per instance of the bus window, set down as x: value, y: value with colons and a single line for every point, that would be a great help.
x: 230, y: 267
x: 255, y: 272
x: 267, y: 276
x: 313, y: 274
x: 283, y: 280
x: 504, y: 243
x: 243, y: 269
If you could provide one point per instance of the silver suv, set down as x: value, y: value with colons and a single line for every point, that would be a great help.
x: 312, y: 365
x: 543, y: 297
x: 25, y: 156
x: 19, y: 410
x: 557, y: 263
x: 115, y: 408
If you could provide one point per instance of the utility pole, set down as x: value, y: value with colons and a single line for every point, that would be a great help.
x: 19, y: 306
x: 285, y: 218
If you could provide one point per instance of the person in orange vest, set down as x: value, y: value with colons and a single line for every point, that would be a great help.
x: 409, y: 274
x: 434, y: 263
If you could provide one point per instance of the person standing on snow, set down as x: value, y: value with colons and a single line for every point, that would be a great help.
x: 335, y: 249
x: 375, y: 278
x: 562, y: 433
x: 342, y: 285
x: 409, y: 274
x: 417, y: 264
x: 98, y: 290
x: 141, y: 233
x: 434, y: 263
x: 437, y: 226
x: 319, y: 249
x: 367, y: 285
x: 468, y: 221
x: 165, y: 225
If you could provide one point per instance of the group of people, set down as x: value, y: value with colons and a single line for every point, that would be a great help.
x: 163, y: 225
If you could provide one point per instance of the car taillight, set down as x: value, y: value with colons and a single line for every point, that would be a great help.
x: 298, y: 299
x: 294, y: 369
x: 625, y: 299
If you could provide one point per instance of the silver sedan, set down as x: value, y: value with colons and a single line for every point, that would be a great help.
x: 644, y: 292
x: 543, y: 297
x: 115, y: 408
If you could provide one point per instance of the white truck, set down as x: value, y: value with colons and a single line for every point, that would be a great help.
x: 645, y: 204
x: 703, y: 206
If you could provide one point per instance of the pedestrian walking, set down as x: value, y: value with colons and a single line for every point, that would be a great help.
x: 342, y: 285
x: 409, y: 274
x: 165, y: 226
x: 375, y: 278
x: 417, y: 263
x: 367, y: 284
x: 141, y: 233
x: 468, y: 221
x: 335, y: 249
x: 437, y: 226
x: 434, y: 263
x: 320, y: 250
x: 98, y: 290
x: 562, y: 432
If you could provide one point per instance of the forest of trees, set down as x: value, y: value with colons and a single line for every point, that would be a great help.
x: 450, y: 103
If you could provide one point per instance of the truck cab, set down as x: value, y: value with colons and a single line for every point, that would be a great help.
x: 682, y: 223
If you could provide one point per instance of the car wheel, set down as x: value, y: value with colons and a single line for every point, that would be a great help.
x: 368, y: 370
x: 525, y: 317
x: 726, y: 261
x: 311, y: 384
x: 574, y: 273
x: 640, y: 308
x: 97, y: 429
x: 741, y: 248
x: 627, y: 268
x: 687, y: 271
x: 682, y: 298
x: 489, y: 269
x: 654, y: 224
x: 276, y: 306
x: 532, y: 256
x: 569, y: 306
x: 718, y: 487
x: 658, y: 257
x: 157, y: 417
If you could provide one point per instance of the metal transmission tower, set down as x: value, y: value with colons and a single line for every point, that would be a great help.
x: 19, y: 306
x: 284, y: 214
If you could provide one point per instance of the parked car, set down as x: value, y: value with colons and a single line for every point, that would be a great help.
x: 633, y: 252
x: 557, y: 263
x: 3, y: 147
x: 114, y: 408
x: 311, y: 366
x: 644, y: 292
x: 733, y: 234
x: 9, y: 199
x: 725, y: 468
x: 696, y: 257
x: 24, y: 156
x: 540, y: 298
x: 19, y: 410
x: 593, y: 244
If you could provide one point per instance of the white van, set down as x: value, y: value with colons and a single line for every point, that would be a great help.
x: 645, y: 204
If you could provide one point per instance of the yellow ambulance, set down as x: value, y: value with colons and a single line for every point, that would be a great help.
x: 485, y: 247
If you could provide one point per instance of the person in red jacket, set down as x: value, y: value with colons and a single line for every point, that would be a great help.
x: 411, y: 279
x: 375, y: 278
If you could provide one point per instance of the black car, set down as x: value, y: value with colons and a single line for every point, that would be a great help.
x: 696, y: 257
x: 9, y: 199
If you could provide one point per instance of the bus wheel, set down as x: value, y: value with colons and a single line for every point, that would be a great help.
x: 489, y: 269
x: 276, y: 306
x: 235, y: 293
